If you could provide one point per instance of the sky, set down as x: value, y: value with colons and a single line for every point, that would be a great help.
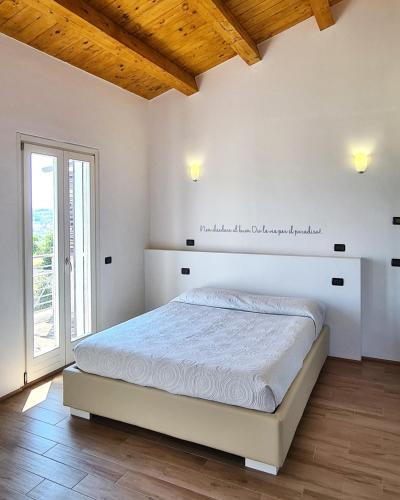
x: 43, y: 181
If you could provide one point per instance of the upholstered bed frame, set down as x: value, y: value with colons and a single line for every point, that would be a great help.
x: 262, y: 438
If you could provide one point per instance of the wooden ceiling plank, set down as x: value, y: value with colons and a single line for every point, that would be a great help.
x: 83, y: 49
x: 229, y: 28
x: 178, y: 23
x: 246, y: 8
x: 8, y: 9
x: 55, y: 39
x: 135, y: 16
x: 204, y: 38
x: 40, y: 24
x: 268, y: 14
x: 197, y: 57
x: 278, y: 20
x: 13, y: 24
x: 111, y: 36
x: 180, y: 32
x: 322, y: 12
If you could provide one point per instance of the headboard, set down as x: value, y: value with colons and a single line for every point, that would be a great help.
x: 336, y: 281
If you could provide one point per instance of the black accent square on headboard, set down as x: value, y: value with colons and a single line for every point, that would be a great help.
x: 339, y: 247
x: 185, y: 270
x: 190, y: 243
x: 337, y: 281
x: 396, y: 262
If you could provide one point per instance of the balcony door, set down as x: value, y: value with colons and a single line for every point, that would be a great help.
x: 59, y: 246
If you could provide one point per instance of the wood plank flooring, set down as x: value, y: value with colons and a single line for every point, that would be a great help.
x: 347, y: 447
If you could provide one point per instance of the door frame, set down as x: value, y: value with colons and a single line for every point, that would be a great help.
x: 61, y: 146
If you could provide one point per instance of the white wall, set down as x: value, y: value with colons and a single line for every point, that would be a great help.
x: 45, y: 97
x: 276, y: 141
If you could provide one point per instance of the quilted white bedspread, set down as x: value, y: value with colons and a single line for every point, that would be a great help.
x: 235, y: 348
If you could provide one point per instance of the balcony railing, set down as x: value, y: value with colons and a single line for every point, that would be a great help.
x: 43, y: 281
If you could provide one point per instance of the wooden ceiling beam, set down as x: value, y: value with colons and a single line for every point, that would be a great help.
x: 322, y: 12
x: 228, y: 27
x: 113, y: 37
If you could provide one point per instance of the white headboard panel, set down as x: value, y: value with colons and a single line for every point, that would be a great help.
x: 296, y: 276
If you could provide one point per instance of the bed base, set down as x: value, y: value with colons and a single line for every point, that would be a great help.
x: 263, y: 438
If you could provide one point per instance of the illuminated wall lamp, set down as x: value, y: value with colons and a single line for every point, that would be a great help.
x: 194, y: 170
x: 361, y: 162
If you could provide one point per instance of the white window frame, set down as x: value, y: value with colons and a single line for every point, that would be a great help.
x: 23, y: 139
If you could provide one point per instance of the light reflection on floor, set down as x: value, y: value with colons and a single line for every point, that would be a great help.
x: 36, y: 396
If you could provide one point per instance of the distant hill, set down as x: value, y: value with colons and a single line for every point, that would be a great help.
x: 42, y: 220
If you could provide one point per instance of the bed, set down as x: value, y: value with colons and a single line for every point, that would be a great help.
x: 226, y: 369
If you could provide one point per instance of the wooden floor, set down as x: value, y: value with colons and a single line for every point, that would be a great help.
x: 347, y: 446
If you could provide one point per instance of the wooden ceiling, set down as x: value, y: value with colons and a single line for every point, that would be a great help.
x: 151, y: 46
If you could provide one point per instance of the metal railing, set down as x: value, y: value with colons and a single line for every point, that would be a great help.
x: 43, y: 281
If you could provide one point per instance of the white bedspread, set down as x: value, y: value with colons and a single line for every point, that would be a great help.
x: 222, y: 351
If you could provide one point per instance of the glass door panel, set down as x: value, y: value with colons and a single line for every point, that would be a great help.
x: 46, y: 331
x: 44, y: 265
x: 80, y: 247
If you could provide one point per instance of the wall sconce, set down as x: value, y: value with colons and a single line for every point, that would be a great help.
x: 194, y: 170
x: 361, y: 162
